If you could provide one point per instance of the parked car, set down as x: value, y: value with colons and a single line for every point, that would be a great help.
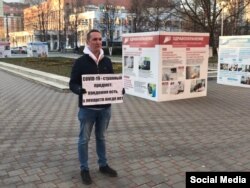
x: 19, y: 50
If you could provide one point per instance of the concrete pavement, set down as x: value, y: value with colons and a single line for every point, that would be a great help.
x: 150, y: 144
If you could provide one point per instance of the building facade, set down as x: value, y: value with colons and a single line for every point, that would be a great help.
x: 64, y: 23
x: 11, y: 18
x: 111, y: 23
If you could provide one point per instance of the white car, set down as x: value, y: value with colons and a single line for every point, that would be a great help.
x: 19, y: 50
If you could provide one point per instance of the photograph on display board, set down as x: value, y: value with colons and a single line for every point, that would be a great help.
x: 145, y: 63
x: 245, y: 80
x: 198, y: 85
x: 192, y: 72
x: 173, y: 73
x: 129, y: 62
x: 241, y: 68
x: 233, y: 67
x: 6, y: 47
x: 169, y: 74
x: 247, y: 68
x: 180, y: 73
x: 176, y: 87
x: 165, y: 87
x: 223, y: 66
x: 152, y: 89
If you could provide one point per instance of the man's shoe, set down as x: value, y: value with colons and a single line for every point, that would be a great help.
x: 108, y: 171
x: 86, y: 179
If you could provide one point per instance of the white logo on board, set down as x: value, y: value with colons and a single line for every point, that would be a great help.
x: 166, y: 39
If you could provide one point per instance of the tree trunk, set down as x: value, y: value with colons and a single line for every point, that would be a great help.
x: 213, y: 43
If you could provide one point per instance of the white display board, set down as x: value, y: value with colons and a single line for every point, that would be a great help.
x: 163, y: 66
x: 102, y: 89
x: 234, y: 61
x: 37, y: 49
x: 5, y: 49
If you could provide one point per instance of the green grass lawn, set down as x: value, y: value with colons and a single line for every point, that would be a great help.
x: 55, y: 65
x: 62, y: 66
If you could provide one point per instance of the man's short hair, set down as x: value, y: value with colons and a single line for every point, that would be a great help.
x: 92, y: 31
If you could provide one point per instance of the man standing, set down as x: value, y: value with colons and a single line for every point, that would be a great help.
x: 92, y: 62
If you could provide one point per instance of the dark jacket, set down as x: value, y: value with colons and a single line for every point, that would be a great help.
x: 86, y: 65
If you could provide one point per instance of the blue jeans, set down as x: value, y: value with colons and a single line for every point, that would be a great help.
x: 88, y: 118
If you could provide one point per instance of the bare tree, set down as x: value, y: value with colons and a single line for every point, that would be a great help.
x: 77, y: 7
x: 151, y: 15
x: 108, y: 22
x: 246, y: 28
x: 206, y: 16
x: 234, y: 17
x: 108, y: 14
x: 157, y: 12
x: 39, y: 19
x: 43, y: 14
x: 138, y: 16
x: 66, y: 23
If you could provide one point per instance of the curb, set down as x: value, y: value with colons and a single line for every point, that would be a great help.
x: 53, y: 80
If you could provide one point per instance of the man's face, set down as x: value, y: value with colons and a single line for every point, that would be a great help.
x: 95, y: 42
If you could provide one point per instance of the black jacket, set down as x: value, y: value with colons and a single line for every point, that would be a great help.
x: 86, y: 65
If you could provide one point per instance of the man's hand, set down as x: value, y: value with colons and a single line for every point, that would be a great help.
x: 123, y: 91
x: 82, y: 91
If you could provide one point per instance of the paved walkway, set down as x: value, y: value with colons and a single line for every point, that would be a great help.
x: 150, y: 144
